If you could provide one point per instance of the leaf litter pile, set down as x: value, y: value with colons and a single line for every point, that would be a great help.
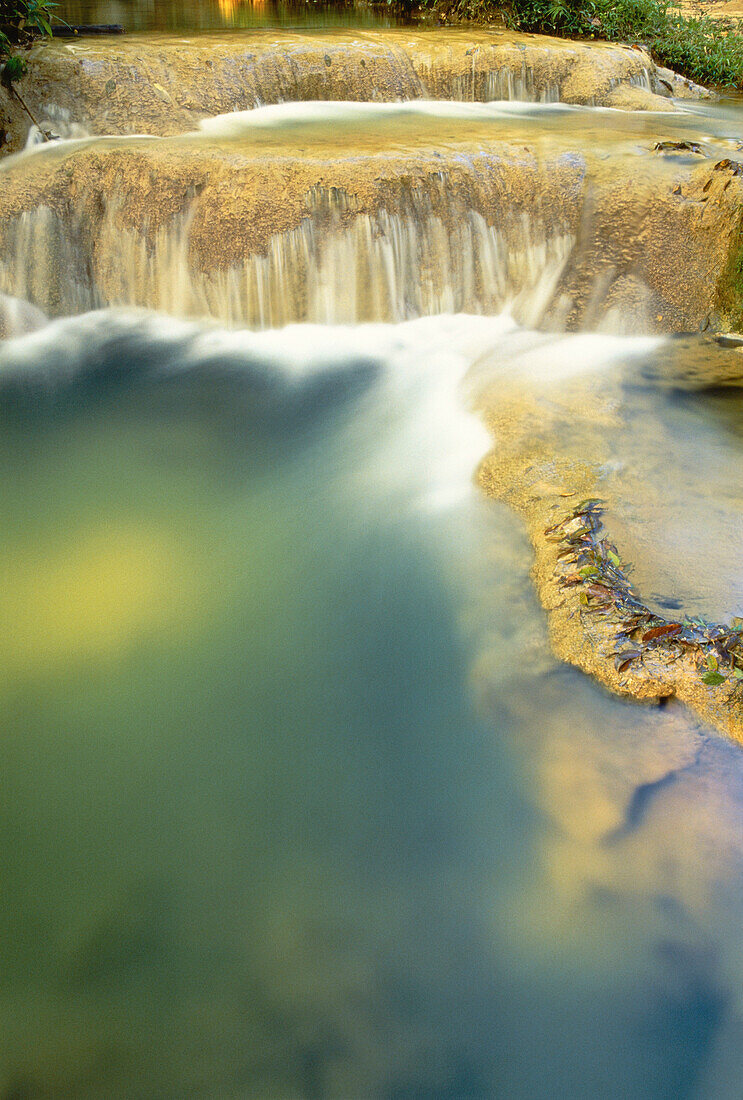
x: 589, y: 562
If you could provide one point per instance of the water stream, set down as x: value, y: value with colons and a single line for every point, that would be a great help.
x: 295, y: 800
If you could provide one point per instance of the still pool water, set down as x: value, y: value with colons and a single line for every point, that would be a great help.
x: 176, y: 15
x: 294, y: 802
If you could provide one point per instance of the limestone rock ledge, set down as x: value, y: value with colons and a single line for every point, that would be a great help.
x: 560, y: 485
x: 166, y: 84
x: 254, y: 234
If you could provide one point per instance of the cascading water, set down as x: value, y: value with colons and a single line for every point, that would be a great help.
x: 380, y: 267
x: 147, y: 84
x: 296, y: 800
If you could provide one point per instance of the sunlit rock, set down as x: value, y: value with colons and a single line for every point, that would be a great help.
x: 167, y: 85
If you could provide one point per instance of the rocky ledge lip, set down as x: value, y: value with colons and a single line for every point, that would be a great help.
x: 166, y: 84
x: 565, y: 485
x: 636, y: 651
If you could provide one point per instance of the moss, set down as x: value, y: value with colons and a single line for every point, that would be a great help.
x: 730, y: 303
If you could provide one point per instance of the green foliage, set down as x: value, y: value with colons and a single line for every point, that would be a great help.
x: 700, y: 47
x: 22, y: 20
x: 730, y: 301
x: 704, y: 49
x: 14, y: 69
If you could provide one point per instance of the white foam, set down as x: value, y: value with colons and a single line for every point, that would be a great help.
x: 312, y: 112
x: 412, y: 422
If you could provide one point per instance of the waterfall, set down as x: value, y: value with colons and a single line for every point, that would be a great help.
x: 139, y: 87
x: 443, y: 242
x: 383, y: 267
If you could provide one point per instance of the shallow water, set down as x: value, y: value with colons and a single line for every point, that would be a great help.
x: 681, y: 521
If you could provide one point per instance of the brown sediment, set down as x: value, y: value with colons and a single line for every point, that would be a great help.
x: 728, y: 11
x: 558, y: 483
x: 165, y: 84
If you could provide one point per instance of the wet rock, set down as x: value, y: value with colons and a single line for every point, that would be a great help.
x: 729, y: 339
x: 668, y: 83
x: 14, y: 122
x: 727, y: 165
x: 597, y: 621
x: 629, y: 97
x: 678, y: 147
x: 168, y: 85
x: 243, y: 257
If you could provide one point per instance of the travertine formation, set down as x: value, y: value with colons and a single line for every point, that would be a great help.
x: 583, y: 222
x: 551, y: 464
x: 166, y: 84
x: 406, y: 221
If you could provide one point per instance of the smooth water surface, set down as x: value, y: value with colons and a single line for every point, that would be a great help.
x: 295, y: 802
x: 176, y: 15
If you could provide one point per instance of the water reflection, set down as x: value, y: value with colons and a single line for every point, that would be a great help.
x: 176, y: 15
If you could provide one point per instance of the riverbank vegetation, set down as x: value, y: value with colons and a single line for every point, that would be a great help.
x: 705, y: 49
x: 20, y: 21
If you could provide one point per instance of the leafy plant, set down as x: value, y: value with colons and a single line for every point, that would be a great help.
x: 14, y: 69
x: 704, y: 49
x: 22, y: 20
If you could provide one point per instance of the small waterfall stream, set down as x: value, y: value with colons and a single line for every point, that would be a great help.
x: 297, y: 801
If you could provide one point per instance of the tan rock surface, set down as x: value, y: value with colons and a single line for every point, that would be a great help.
x: 165, y: 84
x: 542, y: 469
x: 402, y: 209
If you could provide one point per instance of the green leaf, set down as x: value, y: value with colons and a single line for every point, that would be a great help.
x: 14, y: 69
x: 614, y: 558
x: 712, y: 663
x: 738, y: 673
x: 713, y: 678
x: 588, y: 571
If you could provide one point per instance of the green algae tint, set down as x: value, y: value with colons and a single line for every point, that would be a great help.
x: 295, y: 803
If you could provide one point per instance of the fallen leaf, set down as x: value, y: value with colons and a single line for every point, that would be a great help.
x: 667, y: 630
x: 621, y: 660
x: 589, y: 571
